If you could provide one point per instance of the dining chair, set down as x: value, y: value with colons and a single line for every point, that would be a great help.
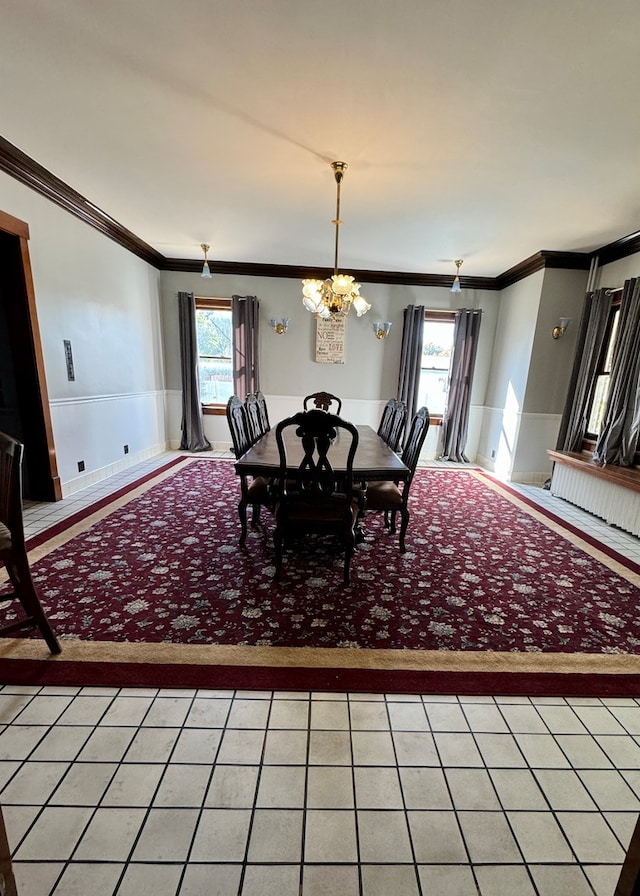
x: 313, y: 499
x: 264, y: 413
x: 13, y: 551
x: 392, y: 422
x: 393, y: 497
x: 252, y: 491
x: 254, y: 417
x: 323, y: 401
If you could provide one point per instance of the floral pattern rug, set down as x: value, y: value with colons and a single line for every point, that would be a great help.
x: 481, y: 573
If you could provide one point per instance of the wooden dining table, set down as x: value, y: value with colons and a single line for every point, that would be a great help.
x: 374, y: 460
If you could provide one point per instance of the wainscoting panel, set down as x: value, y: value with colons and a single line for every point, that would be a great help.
x: 94, y: 430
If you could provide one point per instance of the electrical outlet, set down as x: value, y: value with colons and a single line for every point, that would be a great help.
x: 126, y: 449
x: 80, y: 466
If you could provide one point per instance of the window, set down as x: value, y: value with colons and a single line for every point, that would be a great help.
x: 215, y: 352
x: 603, y: 378
x: 437, y: 349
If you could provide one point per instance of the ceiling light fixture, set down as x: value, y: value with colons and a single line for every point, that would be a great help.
x: 206, y: 273
x: 335, y: 296
x: 455, y: 287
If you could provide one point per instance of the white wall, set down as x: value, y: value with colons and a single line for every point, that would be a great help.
x: 105, y: 300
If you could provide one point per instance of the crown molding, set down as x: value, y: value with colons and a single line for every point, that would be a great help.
x: 575, y: 261
x: 24, y: 169
x: 628, y: 245
x: 304, y: 272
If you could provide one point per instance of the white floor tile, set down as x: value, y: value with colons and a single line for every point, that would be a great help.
x: 330, y: 787
x: 436, y: 838
x: 488, y: 837
x: 221, y: 835
x: 330, y: 836
x: 265, y: 880
x: 318, y: 880
x: 276, y: 836
x: 539, y: 837
x: 383, y: 837
x: 55, y: 833
x: 447, y: 880
x: 166, y: 835
x: 146, y: 880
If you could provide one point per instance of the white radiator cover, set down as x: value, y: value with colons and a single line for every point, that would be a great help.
x: 617, y: 505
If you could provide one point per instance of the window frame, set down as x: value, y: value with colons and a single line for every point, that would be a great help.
x: 437, y: 316
x: 208, y: 303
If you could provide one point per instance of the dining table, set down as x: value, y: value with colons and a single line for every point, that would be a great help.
x: 374, y: 460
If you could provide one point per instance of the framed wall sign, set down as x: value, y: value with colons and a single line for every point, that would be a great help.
x: 330, y: 340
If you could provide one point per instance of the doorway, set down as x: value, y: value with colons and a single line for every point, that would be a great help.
x: 24, y: 402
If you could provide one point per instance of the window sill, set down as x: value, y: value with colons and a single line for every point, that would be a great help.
x: 214, y: 410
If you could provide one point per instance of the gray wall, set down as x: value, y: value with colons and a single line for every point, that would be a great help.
x: 289, y: 371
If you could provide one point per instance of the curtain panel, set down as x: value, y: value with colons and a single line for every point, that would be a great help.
x: 193, y: 437
x: 591, y: 334
x: 245, y: 320
x: 410, y: 358
x: 618, y: 439
x: 455, y: 420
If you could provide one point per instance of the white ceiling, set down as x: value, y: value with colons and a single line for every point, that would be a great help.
x: 478, y: 129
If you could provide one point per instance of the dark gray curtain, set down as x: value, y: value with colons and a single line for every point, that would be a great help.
x: 618, y: 439
x: 410, y: 357
x: 244, y: 323
x: 455, y: 420
x: 193, y: 437
x: 591, y: 333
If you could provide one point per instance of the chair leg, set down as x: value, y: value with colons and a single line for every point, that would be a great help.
x: 392, y: 527
x: 403, y: 528
x: 255, y: 516
x: 25, y: 590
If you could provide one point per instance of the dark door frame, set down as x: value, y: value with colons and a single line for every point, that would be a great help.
x: 49, y: 487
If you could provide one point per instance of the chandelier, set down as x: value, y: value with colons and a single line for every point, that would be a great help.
x: 335, y: 296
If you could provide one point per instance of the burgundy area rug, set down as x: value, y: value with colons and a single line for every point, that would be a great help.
x: 492, y: 596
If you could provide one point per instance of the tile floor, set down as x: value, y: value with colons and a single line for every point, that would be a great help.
x: 221, y: 793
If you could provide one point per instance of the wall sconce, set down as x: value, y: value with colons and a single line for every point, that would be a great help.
x: 381, y: 328
x: 206, y: 273
x: 559, y: 330
x: 280, y: 325
x: 455, y: 286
